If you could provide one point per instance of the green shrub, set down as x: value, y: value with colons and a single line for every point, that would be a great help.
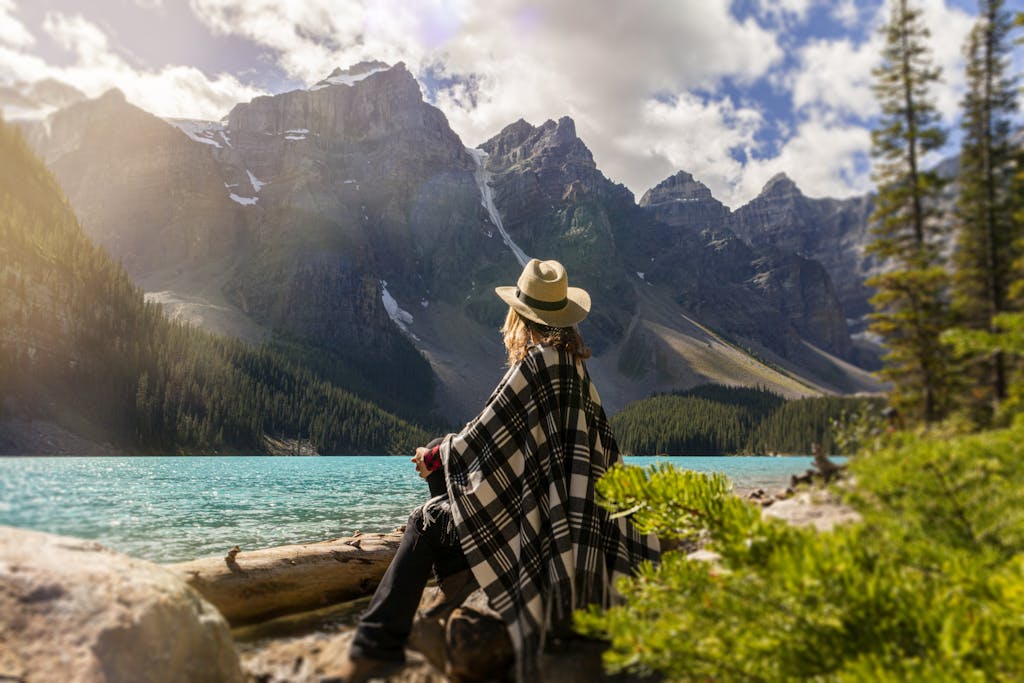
x: 929, y: 586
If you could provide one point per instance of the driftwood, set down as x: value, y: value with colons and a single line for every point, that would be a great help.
x: 828, y: 469
x: 249, y: 586
x: 466, y: 641
x: 825, y: 471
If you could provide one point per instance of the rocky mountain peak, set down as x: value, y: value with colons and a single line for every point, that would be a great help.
x: 351, y: 200
x: 514, y: 134
x: 369, y: 100
x: 783, y: 219
x: 112, y: 96
x: 681, y: 186
x: 564, y: 130
x: 551, y: 144
x: 682, y: 201
x: 780, y: 185
x: 69, y: 124
x: 52, y: 92
x: 561, y: 133
x: 37, y: 98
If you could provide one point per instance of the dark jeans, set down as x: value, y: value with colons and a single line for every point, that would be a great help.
x: 385, y: 626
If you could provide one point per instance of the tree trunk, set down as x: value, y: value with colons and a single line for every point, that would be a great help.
x: 250, y: 586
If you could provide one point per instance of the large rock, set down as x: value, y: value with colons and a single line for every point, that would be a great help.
x: 72, y: 610
x: 471, y: 645
x: 817, y: 508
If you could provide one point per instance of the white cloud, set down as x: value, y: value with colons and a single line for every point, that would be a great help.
x: 170, y: 91
x: 847, y: 13
x: 601, y: 63
x: 310, y: 38
x: 821, y: 157
x: 834, y: 104
x: 949, y: 29
x: 76, y: 34
x: 835, y: 76
x: 602, y: 66
x: 21, y: 66
x: 689, y: 134
x: 12, y: 32
x: 624, y: 71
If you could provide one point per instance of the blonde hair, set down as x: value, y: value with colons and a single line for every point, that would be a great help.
x: 521, y: 333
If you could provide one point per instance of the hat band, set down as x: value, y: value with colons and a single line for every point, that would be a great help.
x: 541, y: 305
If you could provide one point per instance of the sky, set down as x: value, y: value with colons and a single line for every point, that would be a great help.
x: 732, y: 92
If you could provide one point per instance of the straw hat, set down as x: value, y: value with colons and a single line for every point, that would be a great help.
x: 543, y: 295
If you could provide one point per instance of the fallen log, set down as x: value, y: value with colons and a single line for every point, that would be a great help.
x: 828, y: 469
x: 250, y: 586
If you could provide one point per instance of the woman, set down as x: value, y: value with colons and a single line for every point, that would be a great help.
x: 515, y: 499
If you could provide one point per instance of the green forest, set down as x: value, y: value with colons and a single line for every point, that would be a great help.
x: 928, y: 584
x: 80, y: 346
x: 713, y: 419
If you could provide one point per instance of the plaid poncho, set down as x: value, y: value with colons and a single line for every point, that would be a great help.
x: 521, y: 479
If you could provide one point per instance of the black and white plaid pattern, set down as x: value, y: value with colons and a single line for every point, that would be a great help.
x: 521, y: 479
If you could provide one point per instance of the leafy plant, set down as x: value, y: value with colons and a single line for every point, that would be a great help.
x: 928, y: 586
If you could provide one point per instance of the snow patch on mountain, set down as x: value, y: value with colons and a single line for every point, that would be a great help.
x: 201, y: 131
x: 256, y: 183
x: 244, y: 201
x: 13, y: 113
x: 483, y: 181
x: 347, y: 79
x: 398, y: 315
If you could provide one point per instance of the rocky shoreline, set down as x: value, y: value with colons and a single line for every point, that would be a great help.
x: 74, y: 610
x: 41, y: 437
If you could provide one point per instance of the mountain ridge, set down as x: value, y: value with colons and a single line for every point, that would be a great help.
x: 341, y: 198
x: 85, y: 360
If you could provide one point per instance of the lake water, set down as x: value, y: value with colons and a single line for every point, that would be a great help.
x: 170, y: 509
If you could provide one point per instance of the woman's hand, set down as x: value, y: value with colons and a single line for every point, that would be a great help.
x: 421, y: 467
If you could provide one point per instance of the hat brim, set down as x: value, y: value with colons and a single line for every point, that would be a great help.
x: 575, y: 310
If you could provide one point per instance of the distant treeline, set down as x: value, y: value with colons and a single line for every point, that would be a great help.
x: 713, y: 419
x: 80, y: 346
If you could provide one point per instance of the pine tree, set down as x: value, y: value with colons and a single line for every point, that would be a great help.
x: 910, y: 310
x: 988, y: 231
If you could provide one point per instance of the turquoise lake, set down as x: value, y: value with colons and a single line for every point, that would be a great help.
x: 170, y: 509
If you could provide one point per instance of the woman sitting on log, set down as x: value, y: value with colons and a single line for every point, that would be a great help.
x: 514, y: 494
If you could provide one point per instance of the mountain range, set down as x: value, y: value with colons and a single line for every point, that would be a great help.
x: 348, y: 225
x: 89, y: 367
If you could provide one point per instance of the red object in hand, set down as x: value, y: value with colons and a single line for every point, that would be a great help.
x: 432, y: 459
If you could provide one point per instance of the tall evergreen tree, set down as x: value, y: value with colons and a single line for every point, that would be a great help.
x: 988, y: 232
x: 910, y: 309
